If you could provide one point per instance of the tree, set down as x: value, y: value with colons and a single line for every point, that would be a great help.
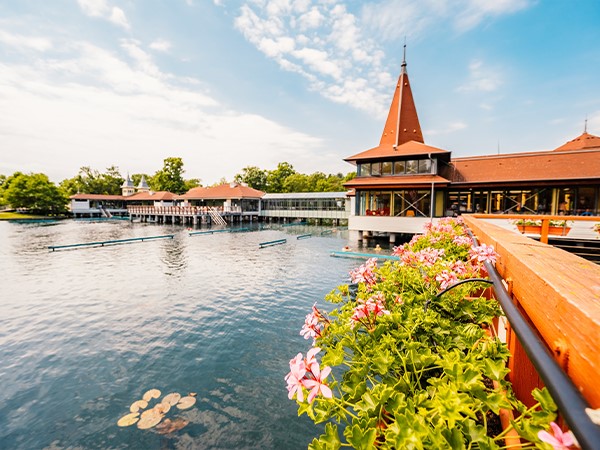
x: 276, y: 178
x: 192, y: 183
x: 253, y: 176
x: 36, y: 193
x: 91, y: 181
x: 170, y: 177
x: 297, y: 182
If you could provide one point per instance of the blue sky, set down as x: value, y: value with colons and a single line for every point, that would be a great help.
x: 228, y: 84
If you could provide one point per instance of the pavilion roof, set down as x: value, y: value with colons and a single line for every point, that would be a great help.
x: 387, y: 151
x: 223, y: 191
x: 533, y: 166
x: 582, y: 142
x: 396, y: 181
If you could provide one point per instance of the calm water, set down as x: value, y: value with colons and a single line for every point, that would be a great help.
x: 84, y: 333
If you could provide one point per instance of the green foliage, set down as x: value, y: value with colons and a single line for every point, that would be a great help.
x: 34, y: 192
x: 170, y: 177
x: 91, y: 181
x: 254, y: 177
x: 414, y: 369
x: 285, y: 179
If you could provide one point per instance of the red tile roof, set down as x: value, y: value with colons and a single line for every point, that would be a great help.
x: 96, y: 197
x: 399, y: 181
x: 533, y: 166
x: 409, y: 128
x: 223, y: 191
x: 386, y: 151
x: 156, y: 196
x: 585, y: 141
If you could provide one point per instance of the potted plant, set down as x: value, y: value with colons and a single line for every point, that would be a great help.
x: 406, y: 356
x: 597, y: 228
x: 528, y: 226
x: 559, y: 227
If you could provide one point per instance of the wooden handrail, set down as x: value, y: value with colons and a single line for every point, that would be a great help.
x: 559, y: 294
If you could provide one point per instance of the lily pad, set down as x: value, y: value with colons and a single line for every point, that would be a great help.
x: 150, y: 412
x: 170, y: 426
x: 162, y: 408
x: 149, y: 420
x: 186, y: 402
x: 152, y: 393
x: 172, y: 398
x: 137, y: 405
x: 128, y: 419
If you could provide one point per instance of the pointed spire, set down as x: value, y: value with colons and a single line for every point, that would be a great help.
x: 402, y: 124
x: 585, y: 125
x: 403, y: 70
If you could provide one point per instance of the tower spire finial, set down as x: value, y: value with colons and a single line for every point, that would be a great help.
x: 404, y: 57
x: 585, y: 125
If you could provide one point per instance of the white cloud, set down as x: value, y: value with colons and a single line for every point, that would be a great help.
x: 96, y: 108
x: 394, y: 19
x: 481, y: 78
x: 161, y: 45
x: 322, y: 42
x: 100, y: 8
x: 39, y: 44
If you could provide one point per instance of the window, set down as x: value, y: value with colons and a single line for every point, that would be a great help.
x: 375, y: 169
x: 386, y: 168
x: 412, y: 167
x: 425, y: 166
x: 399, y: 167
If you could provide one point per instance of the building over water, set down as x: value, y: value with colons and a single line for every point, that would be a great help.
x: 403, y: 182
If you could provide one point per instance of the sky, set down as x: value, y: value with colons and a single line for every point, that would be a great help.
x: 230, y: 84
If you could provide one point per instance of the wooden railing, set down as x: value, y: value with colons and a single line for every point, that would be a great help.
x: 559, y: 294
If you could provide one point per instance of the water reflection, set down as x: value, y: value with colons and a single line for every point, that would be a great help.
x: 82, y: 332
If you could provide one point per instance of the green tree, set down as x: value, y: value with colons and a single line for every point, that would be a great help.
x: 192, y: 183
x: 276, y: 178
x: 297, y: 182
x: 253, y: 176
x: 170, y: 177
x: 36, y: 193
x: 91, y: 181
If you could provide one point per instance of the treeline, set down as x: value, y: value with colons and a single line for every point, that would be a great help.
x: 36, y: 193
x: 285, y: 179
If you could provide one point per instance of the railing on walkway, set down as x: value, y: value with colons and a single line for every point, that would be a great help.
x: 182, y: 210
x: 556, y: 294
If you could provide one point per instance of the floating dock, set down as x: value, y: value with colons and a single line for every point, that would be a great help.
x: 111, y: 242
x: 358, y: 255
x: 270, y: 243
x: 304, y: 236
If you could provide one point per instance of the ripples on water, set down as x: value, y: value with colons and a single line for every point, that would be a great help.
x: 84, y: 333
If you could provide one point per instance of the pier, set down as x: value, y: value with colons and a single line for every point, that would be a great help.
x: 191, y: 215
x: 109, y: 242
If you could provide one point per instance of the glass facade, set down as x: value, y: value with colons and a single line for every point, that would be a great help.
x: 386, y: 168
x: 307, y: 204
x: 396, y: 203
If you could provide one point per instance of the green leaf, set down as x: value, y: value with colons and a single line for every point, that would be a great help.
x: 330, y: 440
x: 361, y: 437
x: 454, y: 438
x: 545, y: 399
x: 496, y: 370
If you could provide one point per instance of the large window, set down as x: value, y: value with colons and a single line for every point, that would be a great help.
x: 400, y: 203
x: 386, y: 168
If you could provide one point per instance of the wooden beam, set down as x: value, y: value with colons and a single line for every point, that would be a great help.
x: 560, y: 293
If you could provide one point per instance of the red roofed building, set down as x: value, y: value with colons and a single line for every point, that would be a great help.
x: 229, y: 197
x: 405, y: 178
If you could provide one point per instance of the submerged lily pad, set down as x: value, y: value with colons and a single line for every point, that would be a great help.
x: 128, y: 419
x: 152, y: 393
x: 170, y: 426
x: 137, y: 405
x: 186, y: 402
x: 172, y: 398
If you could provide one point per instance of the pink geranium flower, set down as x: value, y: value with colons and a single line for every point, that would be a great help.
x: 483, y: 253
x: 317, y: 385
x: 446, y: 278
x: 294, y: 378
x: 559, y: 440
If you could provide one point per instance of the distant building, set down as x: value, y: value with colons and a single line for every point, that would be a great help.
x: 403, y: 182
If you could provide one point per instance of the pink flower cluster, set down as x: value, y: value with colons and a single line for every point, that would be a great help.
x: 313, y: 324
x: 367, y: 312
x: 364, y: 273
x: 463, y: 240
x: 426, y: 257
x: 306, y: 374
x: 558, y: 440
x: 483, y: 253
x: 446, y: 278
